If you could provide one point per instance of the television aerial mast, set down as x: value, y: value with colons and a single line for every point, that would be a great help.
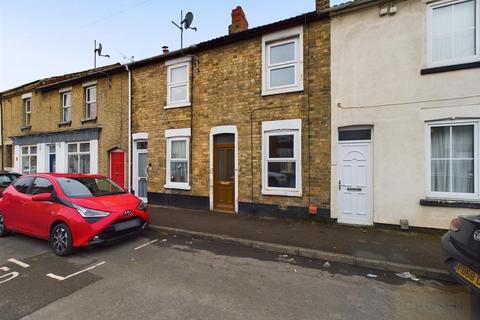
x: 185, y: 24
x: 99, y: 52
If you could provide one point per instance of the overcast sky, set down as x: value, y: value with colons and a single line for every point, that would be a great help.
x: 43, y: 38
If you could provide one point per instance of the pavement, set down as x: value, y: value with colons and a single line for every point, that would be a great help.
x: 167, y: 276
x: 377, y: 248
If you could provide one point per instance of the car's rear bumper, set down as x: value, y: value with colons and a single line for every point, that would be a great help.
x: 453, y: 256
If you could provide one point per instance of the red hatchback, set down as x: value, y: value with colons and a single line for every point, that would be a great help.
x: 71, y: 210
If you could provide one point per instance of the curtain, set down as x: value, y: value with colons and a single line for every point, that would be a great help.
x: 440, y: 140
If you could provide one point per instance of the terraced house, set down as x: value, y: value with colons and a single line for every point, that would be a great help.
x: 71, y: 123
x: 240, y: 123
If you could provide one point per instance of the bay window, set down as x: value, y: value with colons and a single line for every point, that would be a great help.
x: 178, y: 159
x: 78, y: 156
x: 454, y: 160
x: 281, y: 165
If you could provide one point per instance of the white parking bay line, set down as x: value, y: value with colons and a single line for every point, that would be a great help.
x: 146, y: 244
x: 6, y: 269
x: 59, y: 278
x: 20, y: 263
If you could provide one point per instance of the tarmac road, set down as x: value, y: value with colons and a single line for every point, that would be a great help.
x: 156, y: 276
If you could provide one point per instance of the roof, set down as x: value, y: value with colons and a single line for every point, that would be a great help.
x: 231, y: 38
x: 350, y: 5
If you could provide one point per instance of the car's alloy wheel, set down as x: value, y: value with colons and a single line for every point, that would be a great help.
x: 3, y: 231
x: 61, y: 240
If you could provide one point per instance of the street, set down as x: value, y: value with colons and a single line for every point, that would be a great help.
x: 157, y: 276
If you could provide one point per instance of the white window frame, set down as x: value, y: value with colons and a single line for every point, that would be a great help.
x: 173, y: 64
x: 89, y: 102
x: 29, y: 154
x: 27, y: 104
x: 171, y: 136
x: 274, y: 39
x: 78, y: 153
x: 452, y: 61
x: 282, y: 127
x: 476, y: 164
x: 66, y: 107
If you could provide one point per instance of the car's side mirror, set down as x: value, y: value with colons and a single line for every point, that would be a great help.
x: 42, y: 197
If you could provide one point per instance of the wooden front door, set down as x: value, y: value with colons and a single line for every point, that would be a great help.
x: 224, y: 173
x: 117, y: 168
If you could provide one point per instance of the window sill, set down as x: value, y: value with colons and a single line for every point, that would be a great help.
x: 94, y: 119
x: 177, y: 105
x: 272, y: 92
x: 177, y: 186
x: 284, y: 193
x: 64, y: 123
x: 454, y: 67
x: 26, y: 128
x: 467, y: 204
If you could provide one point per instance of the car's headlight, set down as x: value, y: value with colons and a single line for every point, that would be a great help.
x: 90, y: 213
x: 142, y: 206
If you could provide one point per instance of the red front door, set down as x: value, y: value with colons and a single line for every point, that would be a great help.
x: 117, y: 168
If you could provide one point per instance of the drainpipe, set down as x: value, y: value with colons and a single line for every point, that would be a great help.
x: 129, y: 128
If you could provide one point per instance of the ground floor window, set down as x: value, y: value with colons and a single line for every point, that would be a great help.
x: 282, y: 157
x: 453, y: 166
x: 8, y: 156
x: 178, y: 155
x: 78, y: 157
x: 29, y: 159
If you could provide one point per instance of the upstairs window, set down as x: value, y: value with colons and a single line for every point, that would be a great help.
x: 454, y: 160
x: 283, y: 61
x: 453, y: 37
x: 91, y: 102
x: 178, y: 83
x: 28, y: 111
x: 66, y: 107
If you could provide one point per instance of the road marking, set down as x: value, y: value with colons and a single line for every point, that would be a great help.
x: 6, y: 269
x: 146, y: 244
x: 11, y: 275
x: 60, y: 278
x: 20, y: 263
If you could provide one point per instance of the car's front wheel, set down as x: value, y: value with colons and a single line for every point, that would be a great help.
x: 3, y: 228
x: 61, y: 240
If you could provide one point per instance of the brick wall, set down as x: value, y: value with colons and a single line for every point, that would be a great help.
x: 227, y: 91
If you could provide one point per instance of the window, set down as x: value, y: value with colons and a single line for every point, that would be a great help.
x: 9, y: 156
x: 91, y: 102
x: 453, y: 36
x: 178, y: 90
x: 28, y: 111
x: 22, y: 184
x: 282, y: 158
x: 41, y: 185
x: 79, y: 157
x: 282, y: 54
x: 178, y: 155
x: 29, y: 159
x: 453, y: 161
x: 66, y: 107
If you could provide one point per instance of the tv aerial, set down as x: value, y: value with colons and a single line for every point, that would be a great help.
x: 185, y: 24
x: 99, y: 52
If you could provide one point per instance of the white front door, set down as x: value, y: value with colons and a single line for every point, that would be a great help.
x: 355, y: 184
x: 140, y: 169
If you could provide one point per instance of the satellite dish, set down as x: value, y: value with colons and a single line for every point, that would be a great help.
x: 187, y: 22
x: 99, y: 50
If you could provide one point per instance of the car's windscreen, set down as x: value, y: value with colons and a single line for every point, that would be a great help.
x: 88, y: 187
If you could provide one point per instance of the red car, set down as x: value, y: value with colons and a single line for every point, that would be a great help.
x: 71, y: 210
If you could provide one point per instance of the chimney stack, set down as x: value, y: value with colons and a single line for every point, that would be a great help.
x: 239, y: 21
x: 322, y: 4
x: 165, y: 50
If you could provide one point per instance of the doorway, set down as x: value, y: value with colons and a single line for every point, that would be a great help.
x: 140, y: 169
x: 223, y: 172
x: 117, y: 167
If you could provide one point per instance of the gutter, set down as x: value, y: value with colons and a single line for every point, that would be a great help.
x: 129, y: 185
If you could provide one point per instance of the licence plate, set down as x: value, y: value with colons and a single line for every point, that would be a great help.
x: 127, y: 225
x: 468, y: 274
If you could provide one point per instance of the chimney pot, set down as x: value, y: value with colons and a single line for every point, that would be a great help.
x: 322, y: 4
x: 239, y: 21
x: 165, y: 50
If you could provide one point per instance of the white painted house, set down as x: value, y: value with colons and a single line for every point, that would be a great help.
x: 405, y: 111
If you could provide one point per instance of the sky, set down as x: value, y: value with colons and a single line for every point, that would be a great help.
x: 40, y: 39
